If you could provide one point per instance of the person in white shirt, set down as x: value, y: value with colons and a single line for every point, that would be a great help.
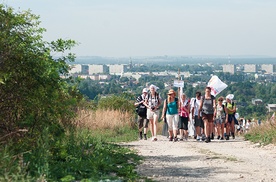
x: 199, y: 125
x: 153, y: 102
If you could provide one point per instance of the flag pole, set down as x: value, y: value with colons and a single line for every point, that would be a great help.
x: 178, y: 80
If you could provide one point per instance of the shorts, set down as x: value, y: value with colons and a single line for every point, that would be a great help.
x: 231, y: 118
x: 219, y: 121
x: 143, y: 122
x: 183, y: 123
x: 152, y: 114
x: 199, y: 122
x: 172, y: 121
x: 208, y: 117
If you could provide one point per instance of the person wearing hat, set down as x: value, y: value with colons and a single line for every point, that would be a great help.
x: 231, y: 109
x: 170, y: 111
x: 153, y: 102
x: 143, y: 122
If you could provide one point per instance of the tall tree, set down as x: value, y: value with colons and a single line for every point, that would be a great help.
x: 33, y: 94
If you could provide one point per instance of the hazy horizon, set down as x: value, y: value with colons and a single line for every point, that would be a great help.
x: 143, y: 28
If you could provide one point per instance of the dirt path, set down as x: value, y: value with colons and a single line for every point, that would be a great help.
x: 233, y: 160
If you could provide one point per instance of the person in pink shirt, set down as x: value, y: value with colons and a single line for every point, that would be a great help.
x: 184, y: 113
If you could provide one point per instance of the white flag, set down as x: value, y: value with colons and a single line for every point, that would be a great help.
x: 216, y: 85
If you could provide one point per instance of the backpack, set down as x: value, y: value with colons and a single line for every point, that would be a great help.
x: 203, y: 99
x: 141, y: 109
x: 156, y: 95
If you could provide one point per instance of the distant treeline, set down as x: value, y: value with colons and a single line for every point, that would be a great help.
x: 165, y: 60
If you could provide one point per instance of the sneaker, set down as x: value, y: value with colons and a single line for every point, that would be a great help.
x: 206, y: 140
x: 212, y: 136
x: 140, y: 136
x: 221, y: 138
x: 175, y: 139
x: 145, y: 137
x: 218, y: 137
x: 233, y: 135
x: 197, y: 138
x: 227, y: 137
x: 171, y: 139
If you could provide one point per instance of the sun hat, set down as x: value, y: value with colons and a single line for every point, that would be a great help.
x: 171, y: 91
x: 145, y: 90
x: 230, y: 96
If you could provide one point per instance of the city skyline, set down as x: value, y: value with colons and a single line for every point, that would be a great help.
x: 159, y: 27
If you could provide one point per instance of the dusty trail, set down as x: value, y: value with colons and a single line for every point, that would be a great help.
x: 233, y: 160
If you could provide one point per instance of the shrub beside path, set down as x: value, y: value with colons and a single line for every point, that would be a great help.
x: 233, y: 160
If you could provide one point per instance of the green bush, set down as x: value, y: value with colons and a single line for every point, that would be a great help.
x: 121, y: 102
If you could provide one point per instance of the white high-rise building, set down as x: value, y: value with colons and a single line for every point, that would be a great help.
x: 117, y: 69
x: 230, y: 68
x: 95, y: 69
x: 268, y: 68
x: 76, y: 68
x: 250, y: 68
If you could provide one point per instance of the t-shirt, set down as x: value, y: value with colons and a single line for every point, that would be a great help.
x: 207, y: 105
x: 220, y: 112
x: 195, y: 105
x: 230, y: 106
x: 184, y: 104
x: 153, y: 100
x: 140, y: 98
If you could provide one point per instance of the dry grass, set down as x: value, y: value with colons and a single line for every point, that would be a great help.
x: 265, y: 133
x: 103, y: 119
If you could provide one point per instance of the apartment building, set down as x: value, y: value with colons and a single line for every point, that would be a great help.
x: 229, y: 68
x: 97, y: 68
x: 268, y: 68
x: 117, y: 69
x: 76, y: 68
x: 250, y: 68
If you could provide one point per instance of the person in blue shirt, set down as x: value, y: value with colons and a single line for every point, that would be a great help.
x: 170, y: 109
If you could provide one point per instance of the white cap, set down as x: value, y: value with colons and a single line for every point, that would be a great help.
x: 145, y: 90
x: 230, y: 96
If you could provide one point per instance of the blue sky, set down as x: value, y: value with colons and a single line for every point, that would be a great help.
x: 129, y: 28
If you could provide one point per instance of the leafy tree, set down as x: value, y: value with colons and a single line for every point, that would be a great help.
x: 33, y: 94
x: 90, y: 88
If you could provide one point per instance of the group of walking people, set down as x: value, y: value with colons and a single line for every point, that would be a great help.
x: 211, y: 117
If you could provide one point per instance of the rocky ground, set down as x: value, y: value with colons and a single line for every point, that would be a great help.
x: 232, y: 160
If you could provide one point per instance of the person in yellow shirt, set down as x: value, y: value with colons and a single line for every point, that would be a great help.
x: 231, y: 110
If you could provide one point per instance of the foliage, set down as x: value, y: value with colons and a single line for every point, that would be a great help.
x: 34, y: 95
x: 264, y: 134
x: 76, y: 156
x: 117, y: 102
